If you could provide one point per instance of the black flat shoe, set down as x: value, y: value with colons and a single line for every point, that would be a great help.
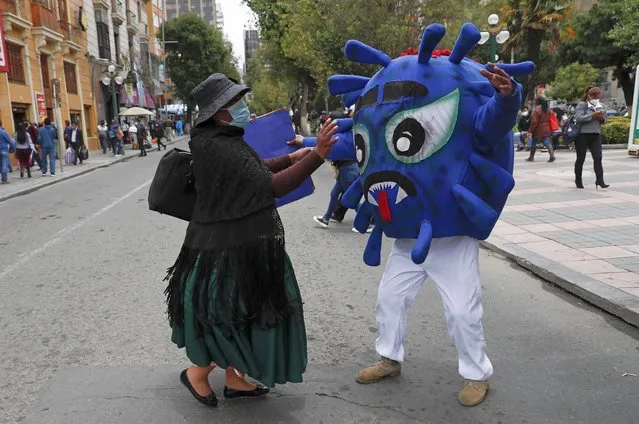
x: 258, y: 391
x: 209, y: 400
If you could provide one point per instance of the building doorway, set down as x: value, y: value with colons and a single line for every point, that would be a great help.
x: 20, y: 114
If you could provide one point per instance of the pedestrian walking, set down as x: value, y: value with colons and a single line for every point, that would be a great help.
x: 297, y: 121
x: 67, y: 132
x: 590, y: 115
x: 113, y: 136
x: 125, y: 132
x: 233, y: 300
x: 119, y: 139
x: 158, y: 134
x: 179, y: 127
x: 139, y: 130
x: 168, y: 130
x: 47, y: 137
x: 523, y: 125
x: 77, y: 143
x: 33, y: 133
x: 540, y: 129
x: 24, y: 149
x: 103, y: 135
x: 6, y: 146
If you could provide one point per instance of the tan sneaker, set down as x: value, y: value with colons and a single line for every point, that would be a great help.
x: 383, y: 368
x: 473, y: 393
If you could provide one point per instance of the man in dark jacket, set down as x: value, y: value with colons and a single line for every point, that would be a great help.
x: 47, y: 137
x: 76, y: 140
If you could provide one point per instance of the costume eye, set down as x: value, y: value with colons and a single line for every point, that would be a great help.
x: 362, y: 145
x: 416, y: 134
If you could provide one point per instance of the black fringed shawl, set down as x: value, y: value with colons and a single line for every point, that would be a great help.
x: 235, y: 241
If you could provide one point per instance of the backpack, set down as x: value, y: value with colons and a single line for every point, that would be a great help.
x: 552, y: 122
x: 570, y: 129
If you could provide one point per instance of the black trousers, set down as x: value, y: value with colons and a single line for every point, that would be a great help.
x: 592, y: 142
x: 76, y: 149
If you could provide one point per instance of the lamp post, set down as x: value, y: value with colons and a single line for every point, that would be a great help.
x: 496, y: 35
x: 112, y: 79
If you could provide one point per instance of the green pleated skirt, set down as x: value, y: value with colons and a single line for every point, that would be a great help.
x: 272, y: 356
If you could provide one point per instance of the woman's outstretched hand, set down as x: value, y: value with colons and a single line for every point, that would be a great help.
x: 325, y: 139
x: 298, y: 155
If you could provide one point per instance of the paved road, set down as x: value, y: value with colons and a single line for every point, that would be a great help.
x: 83, y: 337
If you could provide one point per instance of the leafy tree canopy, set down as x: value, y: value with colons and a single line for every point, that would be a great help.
x: 199, y: 52
x: 571, y: 81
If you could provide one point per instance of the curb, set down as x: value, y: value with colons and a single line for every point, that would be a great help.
x: 79, y: 173
x: 601, y: 295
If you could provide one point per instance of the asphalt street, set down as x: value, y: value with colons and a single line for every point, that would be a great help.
x: 83, y: 335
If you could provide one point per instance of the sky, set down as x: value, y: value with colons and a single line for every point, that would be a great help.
x: 236, y: 16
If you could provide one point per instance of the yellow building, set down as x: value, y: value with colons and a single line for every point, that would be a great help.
x: 46, y: 51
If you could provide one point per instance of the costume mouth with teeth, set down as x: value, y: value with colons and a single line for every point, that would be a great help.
x: 432, y: 141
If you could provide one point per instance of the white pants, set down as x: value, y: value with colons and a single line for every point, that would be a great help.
x: 453, y: 264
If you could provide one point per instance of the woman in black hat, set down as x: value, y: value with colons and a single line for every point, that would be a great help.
x: 233, y: 300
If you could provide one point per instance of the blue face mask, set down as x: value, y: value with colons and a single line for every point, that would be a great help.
x: 240, y: 114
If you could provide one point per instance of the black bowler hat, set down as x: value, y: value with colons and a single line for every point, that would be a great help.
x: 214, y: 93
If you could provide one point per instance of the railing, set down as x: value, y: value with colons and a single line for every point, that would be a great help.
x: 131, y: 19
x: 118, y: 6
x: 42, y: 16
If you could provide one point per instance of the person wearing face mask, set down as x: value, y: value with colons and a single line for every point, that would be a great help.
x: 590, y: 115
x: 233, y: 300
x: 540, y: 129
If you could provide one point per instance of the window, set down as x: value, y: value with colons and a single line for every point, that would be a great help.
x: 104, y: 43
x: 69, y: 76
x: 16, y: 67
x: 44, y: 66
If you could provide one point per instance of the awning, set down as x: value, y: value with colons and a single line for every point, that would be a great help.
x: 150, y: 104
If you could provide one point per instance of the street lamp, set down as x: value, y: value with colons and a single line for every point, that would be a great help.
x: 112, y: 79
x: 496, y: 35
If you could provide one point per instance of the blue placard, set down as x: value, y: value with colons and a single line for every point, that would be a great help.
x: 268, y: 135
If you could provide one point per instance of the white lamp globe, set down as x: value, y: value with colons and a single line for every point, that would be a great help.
x: 118, y: 80
x: 111, y: 68
x: 484, y: 37
x: 503, y: 36
x: 493, y: 19
x: 106, y: 80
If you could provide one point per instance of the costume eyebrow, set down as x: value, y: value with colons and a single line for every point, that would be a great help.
x: 368, y: 99
x: 397, y: 89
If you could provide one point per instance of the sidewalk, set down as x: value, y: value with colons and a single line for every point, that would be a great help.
x: 21, y: 186
x: 586, y: 241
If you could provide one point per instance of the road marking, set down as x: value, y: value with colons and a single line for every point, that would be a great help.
x: 57, y: 236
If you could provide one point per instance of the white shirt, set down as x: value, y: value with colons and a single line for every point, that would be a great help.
x: 74, y: 135
x: 102, y: 129
x: 133, y: 129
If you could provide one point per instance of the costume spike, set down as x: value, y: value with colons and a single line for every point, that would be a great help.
x: 483, y: 88
x: 349, y: 99
x: 359, y: 52
x: 344, y: 124
x: 422, y: 245
x: 500, y: 181
x: 514, y: 69
x: 342, y: 84
x: 353, y: 195
x: 432, y: 36
x: 468, y: 37
x: 372, y: 252
x: 477, y: 211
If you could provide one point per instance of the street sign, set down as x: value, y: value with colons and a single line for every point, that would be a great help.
x: 633, y: 136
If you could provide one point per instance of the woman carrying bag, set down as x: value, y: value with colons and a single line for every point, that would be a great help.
x: 233, y: 300
x: 540, y: 129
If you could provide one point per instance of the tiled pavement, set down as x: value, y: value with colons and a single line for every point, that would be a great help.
x: 20, y: 186
x: 586, y: 241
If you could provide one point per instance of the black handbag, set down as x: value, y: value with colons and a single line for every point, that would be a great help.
x: 172, y: 190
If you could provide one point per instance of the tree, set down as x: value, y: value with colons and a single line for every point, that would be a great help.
x: 571, y: 81
x: 199, y: 52
x: 593, y: 45
x: 531, y: 22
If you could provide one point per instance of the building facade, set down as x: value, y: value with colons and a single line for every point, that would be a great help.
x: 251, y: 43
x: 204, y: 8
x: 219, y: 17
x: 47, y: 67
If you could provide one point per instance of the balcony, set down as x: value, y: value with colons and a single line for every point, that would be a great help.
x: 131, y: 23
x: 14, y: 17
x: 118, y: 14
x: 144, y: 35
x: 104, y: 5
x: 46, y: 28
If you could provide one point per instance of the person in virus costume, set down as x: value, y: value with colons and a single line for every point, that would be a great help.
x: 433, y: 138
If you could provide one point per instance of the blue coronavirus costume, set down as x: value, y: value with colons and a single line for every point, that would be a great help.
x: 434, y: 146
